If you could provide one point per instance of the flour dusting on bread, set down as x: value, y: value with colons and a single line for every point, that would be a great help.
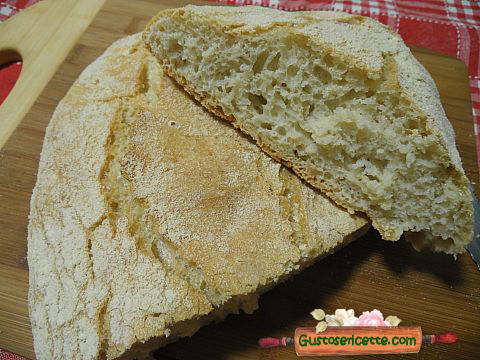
x: 151, y: 217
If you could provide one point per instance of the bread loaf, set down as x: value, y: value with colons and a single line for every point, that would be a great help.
x: 151, y: 217
x: 338, y: 98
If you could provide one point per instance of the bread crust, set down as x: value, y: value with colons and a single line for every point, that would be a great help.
x: 136, y: 181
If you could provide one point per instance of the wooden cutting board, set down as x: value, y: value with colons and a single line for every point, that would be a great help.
x: 429, y: 290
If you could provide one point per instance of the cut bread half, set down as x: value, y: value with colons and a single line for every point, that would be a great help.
x: 151, y: 217
x: 338, y: 98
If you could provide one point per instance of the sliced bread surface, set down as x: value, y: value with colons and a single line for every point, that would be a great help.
x: 151, y: 217
x: 338, y: 98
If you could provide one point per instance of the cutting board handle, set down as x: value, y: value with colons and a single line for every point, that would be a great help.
x: 41, y: 36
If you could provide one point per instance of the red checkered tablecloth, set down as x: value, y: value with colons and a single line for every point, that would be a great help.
x: 450, y: 26
x: 5, y: 355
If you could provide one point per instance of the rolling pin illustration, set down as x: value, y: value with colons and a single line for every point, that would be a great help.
x: 353, y: 340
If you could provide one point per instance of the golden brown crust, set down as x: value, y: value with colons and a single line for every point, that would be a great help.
x: 135, y: 181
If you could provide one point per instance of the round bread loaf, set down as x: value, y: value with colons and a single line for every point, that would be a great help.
x: 151, y: 217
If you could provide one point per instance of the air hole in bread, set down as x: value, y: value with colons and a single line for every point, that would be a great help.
x: 273, y: 65
x: 257, y: 101
x: 260, y: 62
x: 266, y: 126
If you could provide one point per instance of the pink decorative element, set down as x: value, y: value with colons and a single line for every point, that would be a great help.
x: 373, y: 318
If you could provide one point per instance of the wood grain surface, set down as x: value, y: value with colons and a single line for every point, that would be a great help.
x: 429, y: 290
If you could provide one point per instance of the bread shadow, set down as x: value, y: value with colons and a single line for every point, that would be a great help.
x: 288, y: 305
x: 400, y: 257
